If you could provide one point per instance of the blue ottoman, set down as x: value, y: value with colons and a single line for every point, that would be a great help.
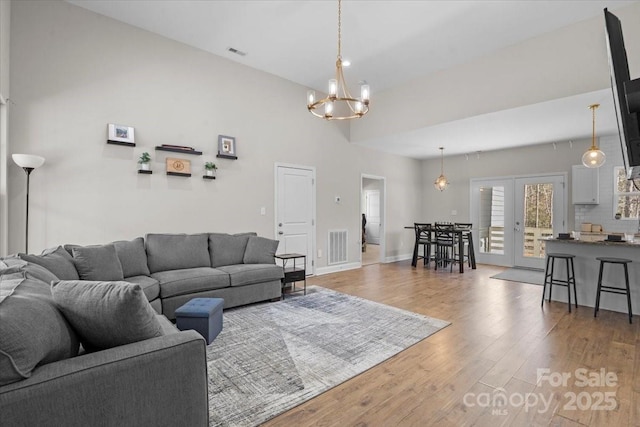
x: 203, y: 315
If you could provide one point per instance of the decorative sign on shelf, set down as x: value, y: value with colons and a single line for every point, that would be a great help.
x: 179, y: 167
x: 227, y: 147
x: 121, y: 135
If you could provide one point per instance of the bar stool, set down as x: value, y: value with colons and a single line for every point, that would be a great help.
x: 571, y: 278
x: 613, y: 290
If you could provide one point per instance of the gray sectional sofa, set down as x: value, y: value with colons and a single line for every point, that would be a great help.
x: 133, y: 366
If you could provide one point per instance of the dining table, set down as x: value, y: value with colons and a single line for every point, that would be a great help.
x: 460, y: 232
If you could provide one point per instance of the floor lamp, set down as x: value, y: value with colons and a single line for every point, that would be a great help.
x: 28, y: 162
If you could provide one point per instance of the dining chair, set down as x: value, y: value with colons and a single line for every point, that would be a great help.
x: 446, y: 243
x: 466, y: 226
x: 423, y: 238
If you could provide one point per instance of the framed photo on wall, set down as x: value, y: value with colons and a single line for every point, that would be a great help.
x: 120, y: 134
x: 227, y: 147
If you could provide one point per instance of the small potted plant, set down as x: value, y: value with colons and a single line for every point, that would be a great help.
x: 144, y: 160
x: 210, y: 168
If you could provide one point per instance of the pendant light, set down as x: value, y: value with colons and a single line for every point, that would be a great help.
x: 441, y: 183
x: 594, y: 157
x: 339, y: 104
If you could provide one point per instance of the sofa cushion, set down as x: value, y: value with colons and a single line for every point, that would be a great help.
x: 260, y: 250
x: 32, y: 330
x: 177, y: 251
x: 97, y: 263
x: 133, y: 257
x: 248, y: 274
x: 187, y: 281
x: 106, y: 314
x: 57, y: 261
x: 149, y: 285
x: 33, y: 270
x: 227, y: 249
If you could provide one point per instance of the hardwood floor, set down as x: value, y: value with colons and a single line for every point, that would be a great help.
x: 498, y: 339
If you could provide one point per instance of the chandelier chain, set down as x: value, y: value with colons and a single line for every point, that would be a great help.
x: 340, y: 29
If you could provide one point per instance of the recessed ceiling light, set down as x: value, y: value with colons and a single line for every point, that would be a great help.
x: 346, y: 63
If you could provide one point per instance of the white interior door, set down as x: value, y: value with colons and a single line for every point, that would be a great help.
x: 295, y: 211
x: 372, y: 211
x: 539, y: 213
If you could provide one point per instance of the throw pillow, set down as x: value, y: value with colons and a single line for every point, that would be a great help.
x: 177, y: 251
x: 97, y: 263
x: 260, y: 250
x: 133, y: 257
x: 106, y: 314
x: 32, y: 330
x: 57, y: 261
x: 227, y: 249
x: 33, y: 270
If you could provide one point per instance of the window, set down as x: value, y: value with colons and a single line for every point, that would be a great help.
x: 626, y: 197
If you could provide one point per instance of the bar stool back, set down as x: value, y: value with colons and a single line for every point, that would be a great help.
x: 551, y: 280
x: 610, y: 289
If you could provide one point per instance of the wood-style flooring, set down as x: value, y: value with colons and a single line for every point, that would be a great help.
x: 498, y: 339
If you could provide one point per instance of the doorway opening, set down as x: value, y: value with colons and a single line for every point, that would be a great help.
x: 372, y: 202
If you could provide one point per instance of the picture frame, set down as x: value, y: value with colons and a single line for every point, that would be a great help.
x: 227, y: 147
x: 178, y: 167
x: 121, y: 134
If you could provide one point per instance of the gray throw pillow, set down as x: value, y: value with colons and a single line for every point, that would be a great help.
x: 227, y: 249
x: 57, y: 261
x: 260, y: 250
x: 106, y: 314
x: 133, y: 257
x: 97, y: 263
x: 32, y: 330
x: 176, y: 251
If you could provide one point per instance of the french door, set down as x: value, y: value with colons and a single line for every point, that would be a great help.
x: 511, y: 215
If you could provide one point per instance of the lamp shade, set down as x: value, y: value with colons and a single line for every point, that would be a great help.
x: 28, y: 160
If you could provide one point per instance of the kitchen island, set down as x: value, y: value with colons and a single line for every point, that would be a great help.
x: 587, y: 267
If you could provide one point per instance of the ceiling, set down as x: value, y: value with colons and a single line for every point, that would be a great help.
x: 389, y: 43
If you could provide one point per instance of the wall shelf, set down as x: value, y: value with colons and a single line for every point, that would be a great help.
x: 225, y: 156
x: 178, y: 174
x: 178, y: 150
x: 145, y: 172
x: 127, y: 144
x: 208, y: 177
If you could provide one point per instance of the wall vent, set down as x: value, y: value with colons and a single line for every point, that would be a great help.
x: 337, y: 247
x: 236, y: 51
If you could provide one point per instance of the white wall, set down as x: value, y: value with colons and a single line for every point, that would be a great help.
x: 74, y: 71
x: 5, y: 15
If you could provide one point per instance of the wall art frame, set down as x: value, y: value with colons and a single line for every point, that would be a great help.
x: 227, y: 147
x: 121, y: 135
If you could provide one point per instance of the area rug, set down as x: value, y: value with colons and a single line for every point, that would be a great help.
x: 271, y: 357
x: 524, y: 275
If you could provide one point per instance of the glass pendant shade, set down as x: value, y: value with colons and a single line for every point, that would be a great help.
x: 441, y: 183
x: 593, y: 158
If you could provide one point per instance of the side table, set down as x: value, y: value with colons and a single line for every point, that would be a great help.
x: 294, y: 266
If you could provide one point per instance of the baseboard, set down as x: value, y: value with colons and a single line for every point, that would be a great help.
x: 398, y: 258
x: 335, y: 268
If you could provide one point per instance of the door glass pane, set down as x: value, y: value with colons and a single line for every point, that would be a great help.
x: 538, y: 215
x: 491, y: 221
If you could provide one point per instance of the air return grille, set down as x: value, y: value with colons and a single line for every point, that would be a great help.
x: 337, y: 246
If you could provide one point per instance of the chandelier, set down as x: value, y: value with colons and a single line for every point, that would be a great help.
x: 441, y: 182
x: 339, y: 103
x: 594, y: 157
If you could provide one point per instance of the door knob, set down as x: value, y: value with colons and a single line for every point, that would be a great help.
x: 280, y: 232
x: 280, y: 225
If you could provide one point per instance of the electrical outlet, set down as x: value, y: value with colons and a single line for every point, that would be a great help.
x: 263, y: 211
x: 319, y: 253
x: 338, y: 199
x: 454, y: 212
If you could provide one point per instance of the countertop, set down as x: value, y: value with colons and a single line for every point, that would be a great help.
x: 635, y: 244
